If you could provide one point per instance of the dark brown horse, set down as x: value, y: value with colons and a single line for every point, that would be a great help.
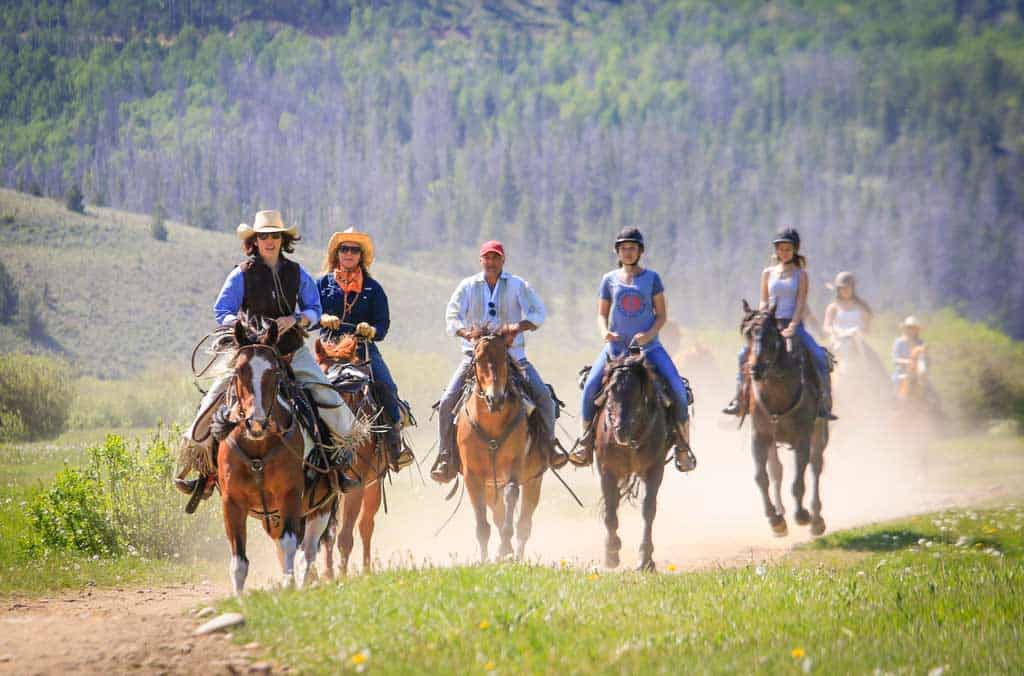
x: 784, y: 409
x: 630, y: 443
x: 493, y: 442
x: 260, y: 464
x: 350, y: 377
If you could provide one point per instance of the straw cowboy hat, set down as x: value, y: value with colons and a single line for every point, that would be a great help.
x: 266, y: 221
x: 364, y: 241
x: 911, y: 321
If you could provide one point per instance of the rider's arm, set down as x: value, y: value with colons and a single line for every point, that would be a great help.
x: 801, y: 299
x: 830, y: 318
x: 534, y: 312
x: 309, y: 299
x: 604, y: 308
x: 229, y: 300
x: 458, y: 305
x: 764, y: 289
x: 380, y: 314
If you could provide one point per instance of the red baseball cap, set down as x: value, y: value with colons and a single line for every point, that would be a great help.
x: 492, y: 246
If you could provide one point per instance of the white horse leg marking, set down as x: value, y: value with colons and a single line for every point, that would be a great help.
x: 311, y: 545
x: 287, y: 545
x: 239, y: 571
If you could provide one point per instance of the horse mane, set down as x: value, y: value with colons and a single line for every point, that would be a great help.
x: 478, y: 331
x: 343, y: 349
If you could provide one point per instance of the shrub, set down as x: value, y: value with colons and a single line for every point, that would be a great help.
x: 69, y: 516
x: 35, y: 396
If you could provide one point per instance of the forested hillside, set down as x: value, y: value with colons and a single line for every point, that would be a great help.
x: 890, y: 133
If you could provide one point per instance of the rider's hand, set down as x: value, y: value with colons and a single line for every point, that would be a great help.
x: 284, y: 323
x: 330, y: 322
x: 612, y: 337
x: 365, y: 330
x: 789, y: 331
x: 643, y: 337
x: 510, y: 330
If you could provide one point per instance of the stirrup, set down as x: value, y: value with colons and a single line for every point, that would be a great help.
x: 404, y: 458
x: 684, y: 459
x: 733, y: 408
x: 582, y: 454
x: 444, y: 469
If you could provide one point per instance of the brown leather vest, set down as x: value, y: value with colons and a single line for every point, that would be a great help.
x: 262, y: 296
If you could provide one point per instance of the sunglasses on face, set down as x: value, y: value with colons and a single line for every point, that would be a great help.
x: 269, y: 235
x: 346, y: 249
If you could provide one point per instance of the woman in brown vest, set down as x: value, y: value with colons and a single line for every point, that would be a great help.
x: 269, y: 285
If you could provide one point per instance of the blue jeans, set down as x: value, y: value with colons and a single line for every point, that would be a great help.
x: 662, y: 363
x: 817, y: 354
x: 382, y: 375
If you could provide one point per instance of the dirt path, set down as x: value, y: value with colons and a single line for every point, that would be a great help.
x: 711, y: 519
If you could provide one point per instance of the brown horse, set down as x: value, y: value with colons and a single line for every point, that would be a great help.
x: 784, y: 409
x: 630, y: 443
x: 349, y: 376
x: 493, y: 443
x: 918, y: 401
x: 260, y: 464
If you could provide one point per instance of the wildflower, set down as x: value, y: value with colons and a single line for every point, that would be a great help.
x: 490, y: 666
x: 671, y: 567
x: 797, y: 653
x: 761, y: 570
x: 593, y: 576
x: 484, y: 624
x: 359, y: 658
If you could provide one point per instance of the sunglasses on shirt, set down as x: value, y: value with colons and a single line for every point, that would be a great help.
x: 491, y: 311
x: 346, y: 249
x: 269, y: 235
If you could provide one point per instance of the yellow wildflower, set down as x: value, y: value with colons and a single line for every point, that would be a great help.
x: 797, y: 653
x: 490, y: 666
x: 671, y: 567
x: 359, y: 658
x: 593, y: 576
x: 484, y: 624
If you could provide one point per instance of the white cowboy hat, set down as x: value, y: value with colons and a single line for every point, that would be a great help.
x: 266, y: 221
x: 363, y: 239
x: 911, y: 321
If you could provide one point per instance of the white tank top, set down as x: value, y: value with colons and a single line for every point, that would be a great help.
x: 847, y: 320
x: 782, y: 291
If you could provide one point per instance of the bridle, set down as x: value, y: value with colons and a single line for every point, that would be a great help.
x: 646, y: 388
x: 233, y: 396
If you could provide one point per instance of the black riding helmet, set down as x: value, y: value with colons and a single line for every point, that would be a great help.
x: 788, y: 236
x: 630, y: 235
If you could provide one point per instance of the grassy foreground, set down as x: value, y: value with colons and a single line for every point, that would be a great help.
x: 943, y: 590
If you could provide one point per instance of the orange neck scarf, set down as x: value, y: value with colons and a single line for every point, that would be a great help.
x: 349, y: 282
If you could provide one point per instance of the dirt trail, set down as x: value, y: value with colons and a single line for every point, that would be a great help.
x: 710, y: 519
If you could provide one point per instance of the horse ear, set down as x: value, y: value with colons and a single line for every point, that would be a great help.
x: 771, y: 308
x: 241, y: 337
x: 746, y: 307
x: 271, y: 337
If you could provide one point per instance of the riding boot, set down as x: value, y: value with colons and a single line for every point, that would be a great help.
x: 583, y: 454
x: 557, y: 457
x: 825, y: 404
x: 736, y: 406
x: 201, y: 487
x: 399, y: 455
x: 447, y: 464
x: 685, y: 460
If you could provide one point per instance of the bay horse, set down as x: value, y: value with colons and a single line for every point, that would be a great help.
x: 350, y: 378
x: 630, y: 443
x: 260, y: 464
x: 783, y: 405
x: 494, y: 446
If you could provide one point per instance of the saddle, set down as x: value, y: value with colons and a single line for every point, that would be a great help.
x: 660, y: 385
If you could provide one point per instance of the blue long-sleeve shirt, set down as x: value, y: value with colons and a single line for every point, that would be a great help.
x: 229, y: 301
x: 371, y: 306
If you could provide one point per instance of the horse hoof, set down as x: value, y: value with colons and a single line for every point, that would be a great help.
x: 779, y: 527
x: 818, y: 526
x: 647, y: 567
x: 611, y: 560
x: 803, y: 517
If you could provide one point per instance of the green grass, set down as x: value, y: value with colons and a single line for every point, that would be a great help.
x: 907, y: 596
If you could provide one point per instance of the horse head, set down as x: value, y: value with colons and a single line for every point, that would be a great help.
x: 490, y: 363
x: 629, y: 390
x: 768, y: 347
x: 256, y: 380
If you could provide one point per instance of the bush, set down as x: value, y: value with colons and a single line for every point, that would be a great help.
x: 158, y: 229
x: 35, y: 396
x: 120, y: 502
x: 75, y: 200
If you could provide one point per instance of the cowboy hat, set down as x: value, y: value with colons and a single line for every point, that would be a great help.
x: 911, y: 321
x: 364, y: 241
x: 266, y: 221
x: 843, y: 279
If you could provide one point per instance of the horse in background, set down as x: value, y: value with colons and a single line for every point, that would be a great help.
x: 261, y: 463
x: 630, y: 443
x: 499, y: 460
x: 784, y: 408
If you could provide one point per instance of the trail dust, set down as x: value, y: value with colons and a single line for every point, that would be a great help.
x: 711, y: 518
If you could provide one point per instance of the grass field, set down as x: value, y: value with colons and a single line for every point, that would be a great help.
x: 944, y: 590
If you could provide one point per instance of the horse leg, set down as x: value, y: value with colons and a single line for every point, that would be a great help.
x: 316, y: 524
x: 761, y: 447
x: 350, y: 504
x: 803, y: 456
x: 652, y: 483
x: 234, y: 527
x: 507, y: 524
x: 288, y: 544
x: 531, y: 496
x: 327, y: 543
x: 371, y: 504
x: 478, y: 498
x: 817, y: 465
x: 612, y: 542
x: 496, y: 501
x: 775, y: 474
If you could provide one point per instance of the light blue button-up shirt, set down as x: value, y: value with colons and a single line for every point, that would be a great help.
x: 514, y: 299
x: 229, y: 301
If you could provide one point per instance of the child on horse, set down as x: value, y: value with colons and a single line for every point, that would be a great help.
x: 493, y: 297
x: 269, y: 285
x: 785, y: 285
x: 632, y: 309
x: 355, y: 302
